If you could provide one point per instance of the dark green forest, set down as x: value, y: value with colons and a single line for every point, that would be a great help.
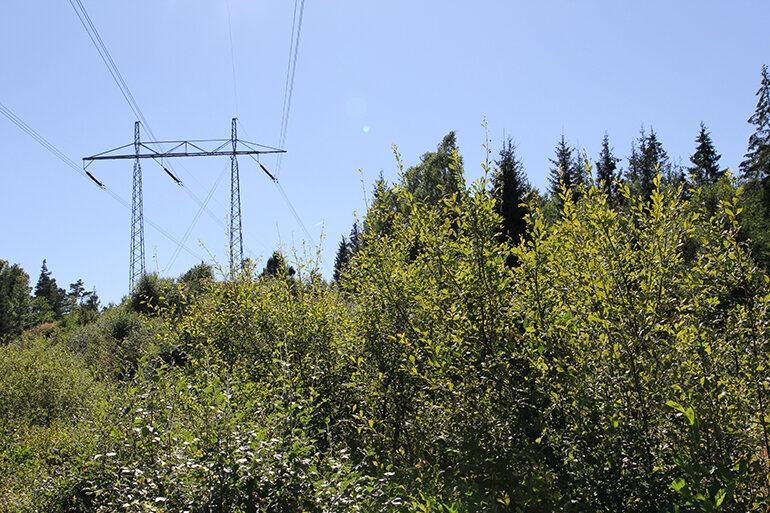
x: 603, y: 345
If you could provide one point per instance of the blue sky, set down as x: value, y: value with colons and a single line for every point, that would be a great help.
x: 369, y: 74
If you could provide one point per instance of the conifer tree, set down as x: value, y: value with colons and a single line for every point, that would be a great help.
x: 756, y: 166
x: 77, y: 291
x: 15, y: 301
x: 383, y: 202
x: 91, y: 301
x: 355, y: 239
x: 705, y: 160
x: 342, y: 259
x: 45, y: 284
x: 510, y: 189
x: 607, y: 168
x: 49, y: 295
x: 647, y: 161
x: 276, y: 266
x: 566, y: 173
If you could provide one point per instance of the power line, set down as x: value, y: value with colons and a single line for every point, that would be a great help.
x: 195, y: 220
x: 299, y: 220
x: 232, y: 57
x: 189, y: 148
x: 40, y: 139
x: 96, y: 39
x: 66, y: 160
x: 104, y: 53
x: 290, y: 72
x: 299, y: 8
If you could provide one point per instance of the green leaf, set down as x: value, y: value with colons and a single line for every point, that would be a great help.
x: 678, y: 484
x: 720, y: 496
x: 675, y: 405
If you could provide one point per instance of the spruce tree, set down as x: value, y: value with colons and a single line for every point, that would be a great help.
x: 276, y: 266
x: 342, y: 259
x: 510, y: 189
x: 607, y: 168
x: 356, y: 238
x: 77, y: 291
x: 705, y: 160
x: 756, y: 166
x: 382, y: 207
x: 566, y: 174
x: 647, y: 161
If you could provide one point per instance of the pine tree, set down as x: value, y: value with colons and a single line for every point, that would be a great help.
x: 606, y: 168
x: 48, y: 295
x: 705, y: 160
x: 756, y: 166
x: 91, y: 301
x: 566, y: 174
x: 45, y: 284
x: 646, y: 162
x: 77, y: 291
x: 510, y: 189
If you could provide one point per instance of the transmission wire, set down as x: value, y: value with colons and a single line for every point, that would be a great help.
x: 195, y: 219
x: 96, y: 39
x: 8, y: 113
x: 290, y: 72
x: 232, y: 58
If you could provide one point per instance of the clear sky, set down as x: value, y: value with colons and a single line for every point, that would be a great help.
x: 369, y: 74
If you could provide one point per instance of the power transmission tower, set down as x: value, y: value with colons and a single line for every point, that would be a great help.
x: 236, y: 235
x: 137, y: 218
x: 159, y: 150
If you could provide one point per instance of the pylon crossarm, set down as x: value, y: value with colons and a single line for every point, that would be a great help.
x: 161, y: 150
x: 174, y: 149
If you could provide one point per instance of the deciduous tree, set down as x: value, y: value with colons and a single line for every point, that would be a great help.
x: 15, y: 301
x: 438, y: 173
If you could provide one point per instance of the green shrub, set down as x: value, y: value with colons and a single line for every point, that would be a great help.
x: 113, y: 345
x: 41, y: 382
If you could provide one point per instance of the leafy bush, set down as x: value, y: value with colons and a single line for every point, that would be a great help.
x: 113, y: 345
x: 620, y: 365
x: 209, y: 446
x: 41, y: 382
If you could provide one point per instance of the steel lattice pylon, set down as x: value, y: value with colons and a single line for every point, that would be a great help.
x: 137, y: 218
x: 236, y: 235
x: 160, y: 150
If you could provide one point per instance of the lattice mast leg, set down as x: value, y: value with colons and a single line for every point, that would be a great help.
x: 137, y: 218
x: 187, y: 149
x: 236, y: 236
